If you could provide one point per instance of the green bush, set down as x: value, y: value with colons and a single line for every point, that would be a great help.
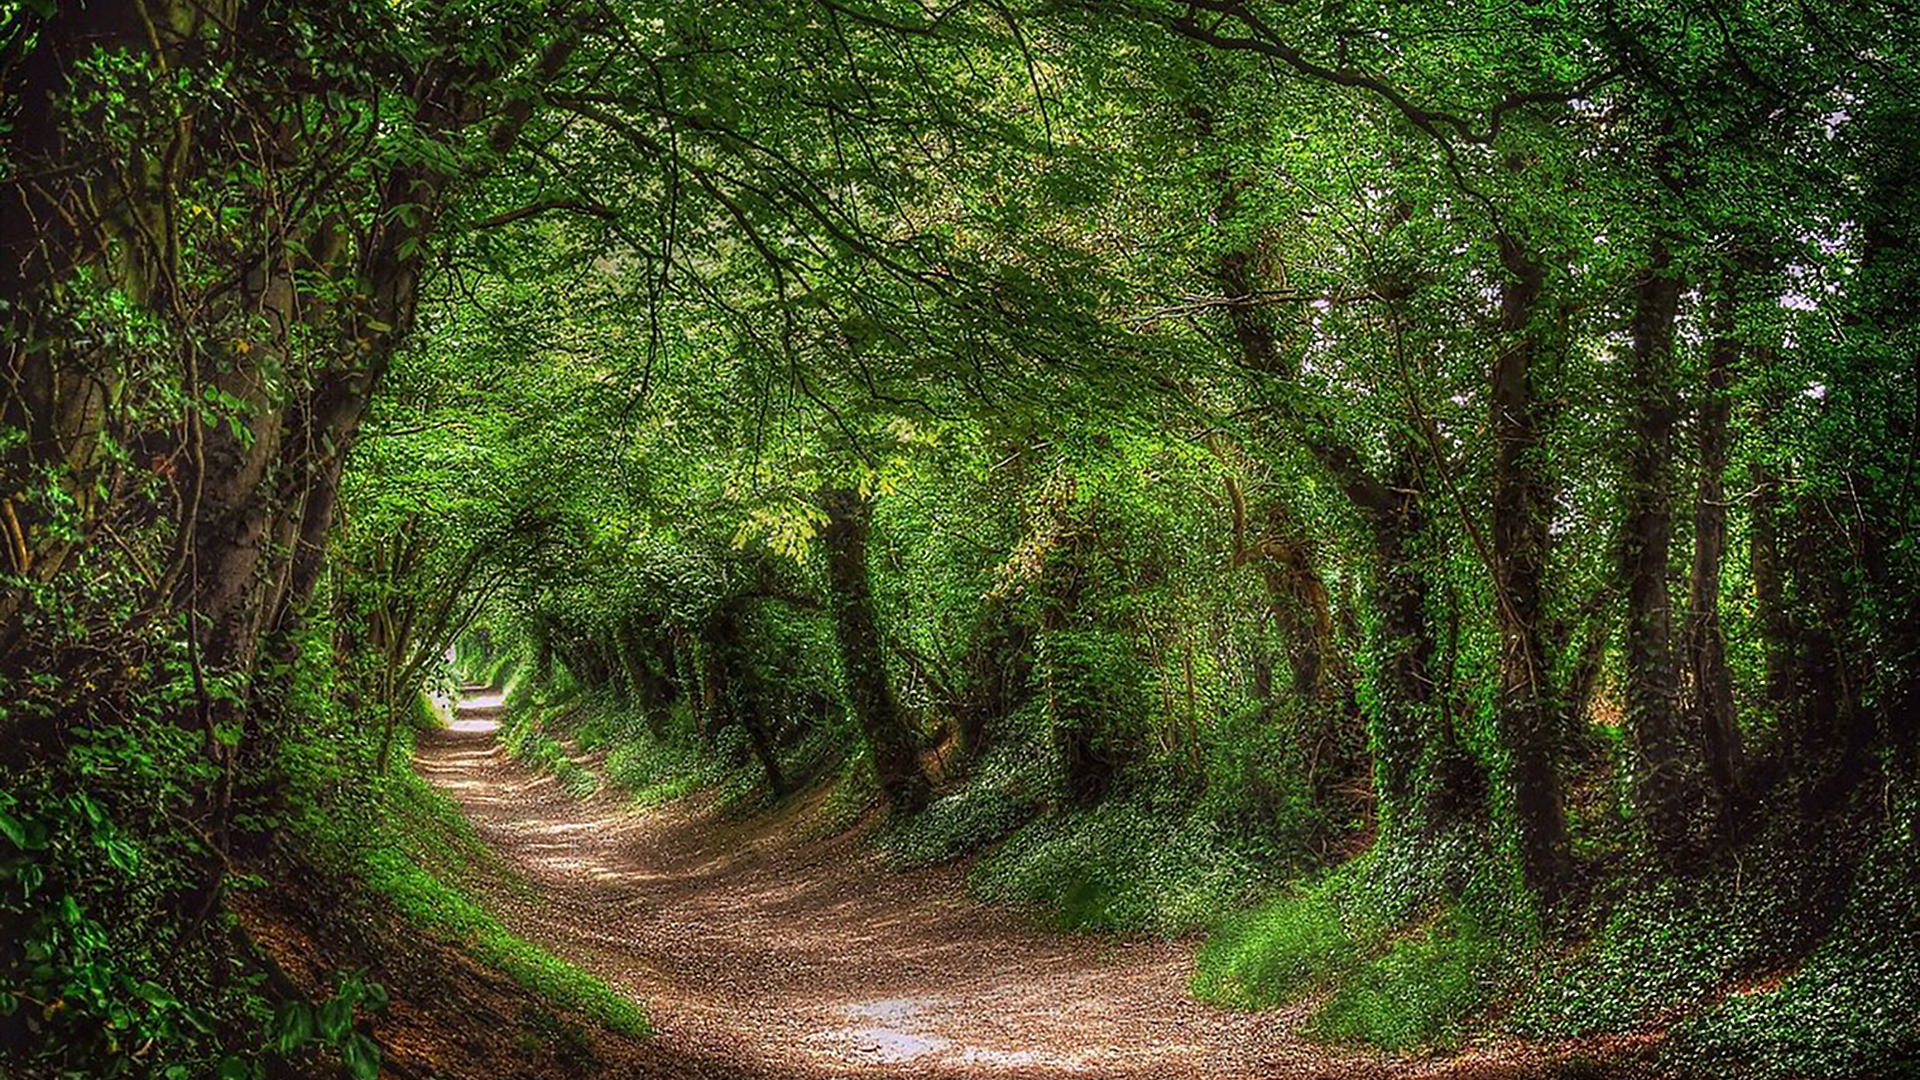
x: 1005, y: 789
x: 1274, y: 954
x: 1122, y: 865
x: 523, y: 733
x: 954, y: 825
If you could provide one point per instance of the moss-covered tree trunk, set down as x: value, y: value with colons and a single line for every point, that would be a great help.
x: 896, y: 761
x: 1421, y: 775
x: 1710, y: 679
x: 999, y: 665
x: 1666, y: 788
x: 653, y: 690
x: 734, y: 693
x: 1529, y: 715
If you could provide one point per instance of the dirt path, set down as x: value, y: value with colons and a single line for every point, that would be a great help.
x: 806, y: 959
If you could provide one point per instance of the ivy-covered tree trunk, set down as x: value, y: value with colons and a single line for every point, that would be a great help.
x: 75, y: 205
x: 1887, y: 304
x: 896, y: 762
x: 1709, y: 678
x: 714, y: 689
x: 1297, y: 597
x: 1296, y: 591
x: 1528, y: 714
x: 1417, y: 764
x: 1404, y: 725
x: 653, y: 691
x: 1665, y: 787
x: 1422, y: 773
x: 734, y: 690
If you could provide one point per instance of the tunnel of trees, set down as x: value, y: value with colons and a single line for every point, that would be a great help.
x: 1423, y: 495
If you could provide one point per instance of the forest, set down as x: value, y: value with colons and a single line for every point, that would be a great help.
x: 797, y: 539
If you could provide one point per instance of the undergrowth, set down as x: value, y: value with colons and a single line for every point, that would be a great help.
x: 1124, y: 865
x: 1849, y: 1009
x: 1426, y: 944
x: 1149, y: 859
x: 1405, y: 944
x: 1773, y: 968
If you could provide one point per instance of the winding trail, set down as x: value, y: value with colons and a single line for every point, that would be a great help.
x: 808, y: 959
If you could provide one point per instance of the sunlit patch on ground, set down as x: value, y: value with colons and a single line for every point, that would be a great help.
x: 478, y: 714
x: 888, y: 1034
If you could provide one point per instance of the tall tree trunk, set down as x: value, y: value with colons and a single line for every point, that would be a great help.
x: 1769, y: 588
x: 1710, y: 681
x: 1666, y: 787
x: 735, y: 692
x: 1296, y: 591
x: 652, y: 693
x: 1298, y: 599
x: 72, y: 203
x: 896, y: 762
x: 688, y: 657
x: 1426, y: 779
x: 1403, y: 719
x: 1529, y: 713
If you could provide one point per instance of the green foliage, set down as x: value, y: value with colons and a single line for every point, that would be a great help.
x: 1208, y: 532
x: 528, y: 742
x: 852, y: 792
x: 1272, y: 955
x: 126, y: 966
x: 298, y: 1025
x: 1258, y: 773
x: 1124, y: 865
x: 1410, y: 944
x: 1727, y: 954
x: 1845, y: 1009
x: 428, y: 713
x: 1426, y: 989
x: 1012, y: 784
x: 955, y: 825
x: 96, y: 864
x: 654, y: 773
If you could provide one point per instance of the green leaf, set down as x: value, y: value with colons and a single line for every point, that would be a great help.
x: 336, y: 1017
x: 362, y: 1057
x: 12, y: 830
x: 154, y: 994
x: 292, y: 1025
x: 233, y: 1067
